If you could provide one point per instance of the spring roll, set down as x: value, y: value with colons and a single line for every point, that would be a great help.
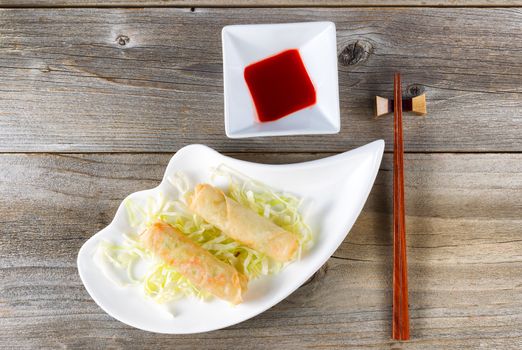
x: 243, y: 224
x: 196, y: 264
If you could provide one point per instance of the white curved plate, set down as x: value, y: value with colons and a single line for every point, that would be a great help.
x: 334, y: 189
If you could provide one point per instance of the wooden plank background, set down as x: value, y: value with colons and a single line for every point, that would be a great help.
x: 258, y: 3
x: 85, y: 80
x: 464, y: 255
x: 94, y: 102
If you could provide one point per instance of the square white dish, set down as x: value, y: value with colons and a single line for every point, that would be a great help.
x: 334, y: 190
x: 247, y: 44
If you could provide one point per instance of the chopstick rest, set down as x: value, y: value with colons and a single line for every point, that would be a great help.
x: 415, y: 104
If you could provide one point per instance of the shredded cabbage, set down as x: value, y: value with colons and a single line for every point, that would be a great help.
x: 160, y: 281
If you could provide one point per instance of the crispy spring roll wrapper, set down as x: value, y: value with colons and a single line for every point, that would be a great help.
x: 243, y: 224
x: 196, y: 264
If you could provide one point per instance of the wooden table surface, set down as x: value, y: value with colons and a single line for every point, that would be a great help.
x: 96, y: 96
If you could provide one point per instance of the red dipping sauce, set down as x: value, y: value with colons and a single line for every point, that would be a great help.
x: 279, y: 85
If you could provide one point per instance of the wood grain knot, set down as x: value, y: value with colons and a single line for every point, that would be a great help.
x: 354, y: 53
x: 415, y: 90
x: 122, y: 40
x: 45, y: 69
x: 318, y: 276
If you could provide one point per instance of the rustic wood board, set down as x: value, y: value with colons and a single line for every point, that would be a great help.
x: 256, y: 3
x: 149, y: 80
x: 463, y: 224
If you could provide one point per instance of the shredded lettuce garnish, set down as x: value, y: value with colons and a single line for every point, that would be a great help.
x: 160, y: 281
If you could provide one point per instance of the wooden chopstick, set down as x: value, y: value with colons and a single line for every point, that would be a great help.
x: 401, y: 321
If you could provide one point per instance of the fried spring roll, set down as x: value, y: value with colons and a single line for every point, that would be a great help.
x: 196, y: 264
x: 243, y: 224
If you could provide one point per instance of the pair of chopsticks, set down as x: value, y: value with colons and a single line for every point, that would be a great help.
x: 401, y: 321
